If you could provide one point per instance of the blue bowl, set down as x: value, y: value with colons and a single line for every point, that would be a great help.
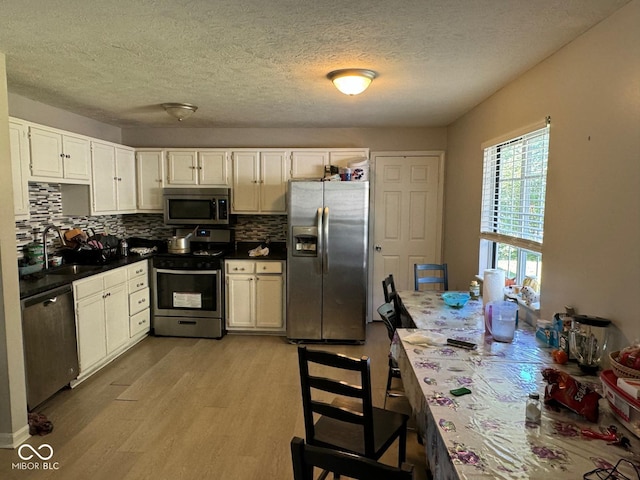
x: 456, y: 299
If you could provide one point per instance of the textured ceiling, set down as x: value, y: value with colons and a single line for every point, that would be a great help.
x: 263, y: 63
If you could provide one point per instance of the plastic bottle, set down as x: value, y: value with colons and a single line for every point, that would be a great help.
x: 124, y: 247
x: 533, y: 412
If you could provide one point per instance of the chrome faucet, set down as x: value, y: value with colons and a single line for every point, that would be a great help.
x: 44, y: 242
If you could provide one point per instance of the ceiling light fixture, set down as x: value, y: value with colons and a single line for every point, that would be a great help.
x: 179, y: 110
x: 352, y: 81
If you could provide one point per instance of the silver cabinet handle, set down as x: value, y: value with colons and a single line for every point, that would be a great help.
x: 378, y: 248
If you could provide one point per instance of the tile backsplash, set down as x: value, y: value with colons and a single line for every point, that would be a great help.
x: 45, y: 201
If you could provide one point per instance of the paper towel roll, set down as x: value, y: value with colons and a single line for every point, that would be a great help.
x: 493, y: 285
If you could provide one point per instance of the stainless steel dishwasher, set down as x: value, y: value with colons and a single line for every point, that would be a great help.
x: 50, y: 347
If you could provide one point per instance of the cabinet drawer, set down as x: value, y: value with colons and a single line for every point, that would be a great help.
x: 240, y: 266
x: 269, y: 267
x: 138, y: 283
x: 114, y: 277
x: 87, y: 287
x: 138, y: 301
x: 139, y: 322
x: 138, y: 269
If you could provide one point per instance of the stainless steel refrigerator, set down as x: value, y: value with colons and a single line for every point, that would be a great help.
x: 327, y: 260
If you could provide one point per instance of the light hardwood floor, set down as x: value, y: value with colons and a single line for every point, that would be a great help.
x: 179, y: 408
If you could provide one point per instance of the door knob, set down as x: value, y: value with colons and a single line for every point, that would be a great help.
x: 378, y: 248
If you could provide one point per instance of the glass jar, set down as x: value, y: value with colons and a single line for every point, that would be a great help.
x: 533, y: 412
x: 474, y: 289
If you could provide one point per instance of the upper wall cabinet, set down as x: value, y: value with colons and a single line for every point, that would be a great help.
x: 114, y: 178
x: 310, y: 163
x: 19, y: 168
x: 59, y: 156
x: 259, y: 181
x: 149, y: 177
x: 201, y: 167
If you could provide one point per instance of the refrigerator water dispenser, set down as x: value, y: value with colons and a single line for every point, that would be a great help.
x: 305, y: 241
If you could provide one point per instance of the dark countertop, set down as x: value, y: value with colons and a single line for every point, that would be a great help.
x: 40, y: 282
x: 277, y: 251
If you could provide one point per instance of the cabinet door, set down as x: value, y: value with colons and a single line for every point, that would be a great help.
x: 273, y: 182
x: 183, y: 168
x: 77, y: 158
x: 269, y: 301
x: 245, y: 182
x: 308, y: 164
x: 19, y: 168
x: 212, y: 168
x: 126, y: 185
x: 92, y: 345
x: 344, y: 158
x: 150, y: 172
x: 46, y: 153
x: 240, y: 301
x: 103, y: 189
x: 116, y: 308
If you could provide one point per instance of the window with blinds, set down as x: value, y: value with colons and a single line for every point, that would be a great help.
x: 513, y: 191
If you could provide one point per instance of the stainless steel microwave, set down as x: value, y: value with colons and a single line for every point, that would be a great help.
x: 196, y: 206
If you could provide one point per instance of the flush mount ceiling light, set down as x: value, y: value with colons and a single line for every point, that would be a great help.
x: 352, y: 81
x: 179, y: 110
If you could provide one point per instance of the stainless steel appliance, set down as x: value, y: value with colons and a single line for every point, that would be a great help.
x: 327, y: 260
x: 188, y: 296
x: 50, y: 347
x: 196, y: 206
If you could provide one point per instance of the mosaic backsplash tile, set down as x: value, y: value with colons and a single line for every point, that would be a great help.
x: 45, y: 201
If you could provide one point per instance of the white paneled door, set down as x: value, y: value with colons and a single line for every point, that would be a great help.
x: 407, y: 217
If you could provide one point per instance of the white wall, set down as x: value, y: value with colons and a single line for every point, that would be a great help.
x: 13, y: 402
x: 591, y: 256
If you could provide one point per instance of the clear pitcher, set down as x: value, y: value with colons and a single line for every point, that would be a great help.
x: 500, y: 320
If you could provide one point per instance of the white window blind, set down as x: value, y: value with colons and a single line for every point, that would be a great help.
x: 513, y: 190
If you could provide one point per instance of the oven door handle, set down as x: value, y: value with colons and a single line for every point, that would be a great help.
x: 188, y: 272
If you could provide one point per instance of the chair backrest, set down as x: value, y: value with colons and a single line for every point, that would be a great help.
x: 387, y: 312
x: 439, y: 276
x: 337, y: 386
x: 305, y: 457
x: 388, y: 288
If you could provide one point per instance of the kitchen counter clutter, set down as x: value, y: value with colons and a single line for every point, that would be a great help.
x: 277, y: 251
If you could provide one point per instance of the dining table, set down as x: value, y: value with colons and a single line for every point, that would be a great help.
x: 483, y: 434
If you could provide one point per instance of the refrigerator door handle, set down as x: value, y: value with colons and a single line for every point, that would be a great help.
x: 320, y: 240
x: 325, y: 250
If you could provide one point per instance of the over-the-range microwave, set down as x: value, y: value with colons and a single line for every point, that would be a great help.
x: 196, y: 206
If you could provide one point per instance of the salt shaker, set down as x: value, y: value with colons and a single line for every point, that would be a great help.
x: 533, y: 412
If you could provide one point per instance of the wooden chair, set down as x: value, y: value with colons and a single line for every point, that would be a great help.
x: 305, y: 457
x: 441, y: 279
x: 350, y: 423
x: 388, y: 315
x: 391, y: 296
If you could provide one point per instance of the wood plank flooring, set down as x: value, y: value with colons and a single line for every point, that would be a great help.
x: 179, y: 408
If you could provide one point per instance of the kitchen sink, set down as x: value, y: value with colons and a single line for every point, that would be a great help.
x: 71, y: 269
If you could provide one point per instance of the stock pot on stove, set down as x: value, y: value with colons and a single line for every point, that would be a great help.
x: 178, y: 244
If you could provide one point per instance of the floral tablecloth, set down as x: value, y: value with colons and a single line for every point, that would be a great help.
x: 484, y: 434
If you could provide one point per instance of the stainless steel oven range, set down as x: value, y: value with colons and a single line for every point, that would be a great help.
x: 188, y: 295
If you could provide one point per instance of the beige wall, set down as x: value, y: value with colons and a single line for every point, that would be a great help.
x: 591, y: 254
x: 373, y: 138
x: 13, y: 402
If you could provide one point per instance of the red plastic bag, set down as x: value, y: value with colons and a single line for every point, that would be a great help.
x: 562, y: 388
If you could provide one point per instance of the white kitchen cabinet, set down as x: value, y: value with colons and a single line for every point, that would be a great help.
x: 59, y: 155
x: 19, y: 144
x: 112, y: 314
x: 310, y: 163
x: 255, y: 295
x: 201, y: 167
x: 114, y: 179
x: 259, y: 182
x: 139, y: 299
x: 149, y: 180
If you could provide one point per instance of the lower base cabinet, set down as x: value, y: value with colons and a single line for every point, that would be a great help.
x: 106, y: 324
x: 255, y: 295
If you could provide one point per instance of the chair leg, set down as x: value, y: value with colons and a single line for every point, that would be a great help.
x: 402, y: 448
